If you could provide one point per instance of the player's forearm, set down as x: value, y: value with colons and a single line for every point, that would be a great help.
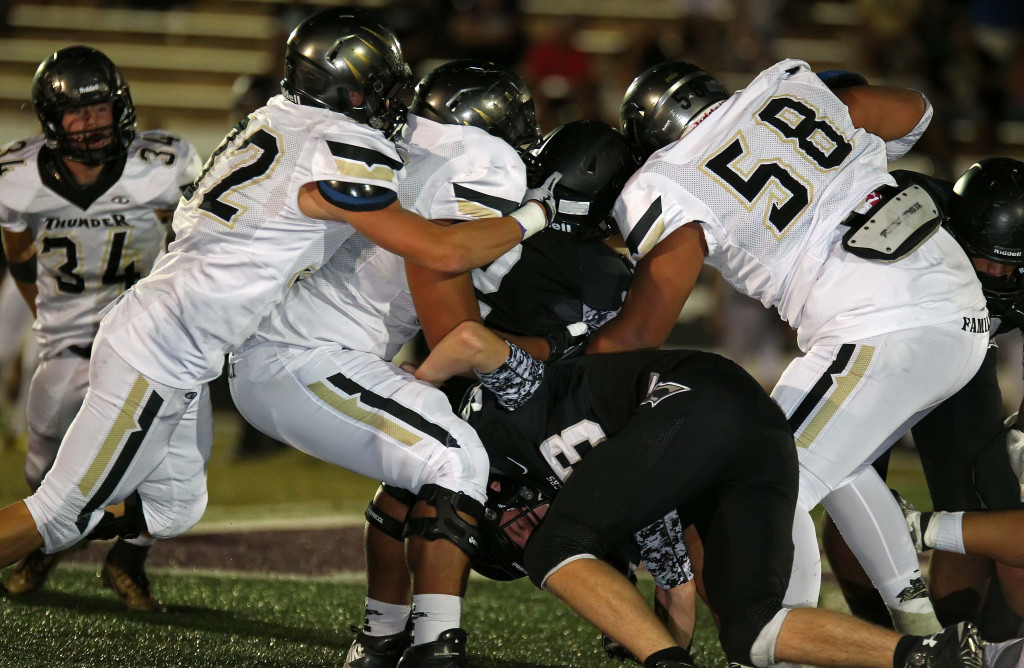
x: 442, y: 300
x: 468, y: 347
x: 29, y: 292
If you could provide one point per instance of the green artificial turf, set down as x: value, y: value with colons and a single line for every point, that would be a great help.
x: 218, y: 619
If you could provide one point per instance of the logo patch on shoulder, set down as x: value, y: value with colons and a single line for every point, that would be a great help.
x: 658, y: 391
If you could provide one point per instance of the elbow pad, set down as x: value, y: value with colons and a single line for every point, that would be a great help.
x: 356, y: 196
x: 897, y: 148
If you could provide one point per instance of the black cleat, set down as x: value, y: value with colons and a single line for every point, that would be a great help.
x: 448, y: 651
x: 956, y: 646
x: 376, y: 651
x: 616, y: 650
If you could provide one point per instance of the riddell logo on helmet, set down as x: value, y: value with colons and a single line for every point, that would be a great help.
x: 1005, y: 252
x: 91, y: 88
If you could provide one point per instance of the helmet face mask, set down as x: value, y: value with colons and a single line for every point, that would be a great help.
x: 72, y: 80
x: 479, y: 94
x: 512, y: 513
x: 987, y: 218
x: 663, y: 101
x: 345, y: 60
x: 594, y: 161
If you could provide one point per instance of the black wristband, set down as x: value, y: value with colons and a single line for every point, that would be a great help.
x: 23, y: 272
x: 566, y: 342
x: 516, y: 380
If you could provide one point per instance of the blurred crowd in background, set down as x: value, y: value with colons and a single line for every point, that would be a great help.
x: 579, y: 56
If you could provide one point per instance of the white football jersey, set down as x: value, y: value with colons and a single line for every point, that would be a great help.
x: 770, y: 175
x: 241, y: 240
x: 360, y: 298
x: 92, y: 243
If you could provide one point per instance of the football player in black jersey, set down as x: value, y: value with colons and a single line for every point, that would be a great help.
x: 962, y: 442
x: 550, y: 293
x: 678, y: 430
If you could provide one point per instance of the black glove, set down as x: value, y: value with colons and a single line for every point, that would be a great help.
x: 567, y: 341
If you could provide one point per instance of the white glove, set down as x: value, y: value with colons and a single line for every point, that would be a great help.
x: 545, y: 194
x: 1015, y: 448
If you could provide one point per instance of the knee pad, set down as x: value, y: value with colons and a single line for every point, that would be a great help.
x: 129, y: 525
x: 749, y: 637
x: 378, y: 519
x: 448, y: 524
x: 557, y: 542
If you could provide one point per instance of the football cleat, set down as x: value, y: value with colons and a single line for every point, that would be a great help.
x: 376, y: 651
x: 616, y: 650
x: 124, y: 571
x: 917, y: 522
x: 448, y: 651
x: 956, y: 646
x: 31, y: 572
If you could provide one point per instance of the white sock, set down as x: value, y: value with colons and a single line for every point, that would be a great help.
x: 385, y: 619
x: 435, y: 614
x: 944, y: 532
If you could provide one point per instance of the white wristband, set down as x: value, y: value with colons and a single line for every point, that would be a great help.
x: 532, y: 219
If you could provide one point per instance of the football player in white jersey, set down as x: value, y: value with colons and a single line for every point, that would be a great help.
x: 316, y: 374
x: 770, y: 186
x: 83, y: 209
x: 281, y: 194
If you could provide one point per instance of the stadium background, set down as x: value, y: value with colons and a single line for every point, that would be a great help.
x: 264, y: 578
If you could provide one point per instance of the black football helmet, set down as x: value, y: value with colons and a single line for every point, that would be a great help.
x: 595, y: 161
x: 345, y: 60
x: 987, y: 218
x: 481, y: 94
x: 662, y: 101
x: 512, y: 508
x: 77, y: 76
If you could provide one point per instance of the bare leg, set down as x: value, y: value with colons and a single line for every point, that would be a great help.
x: 995, y: 534
x: 387, y: 575
x: 677, y: 610
x: 602, y: 596
x: 958, y: 584
x: 18, y: 533
x: 822, y: 637
x: 1012, y: 580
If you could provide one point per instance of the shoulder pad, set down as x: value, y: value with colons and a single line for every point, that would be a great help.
x: 356, y: 196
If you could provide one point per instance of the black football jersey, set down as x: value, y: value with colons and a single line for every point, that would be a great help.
x: 579, y: 403
x: 551, y: 280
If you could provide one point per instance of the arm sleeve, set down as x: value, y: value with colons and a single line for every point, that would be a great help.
x: 897, y: 148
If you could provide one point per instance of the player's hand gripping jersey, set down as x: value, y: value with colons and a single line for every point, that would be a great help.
x: 773, y: 225
x: 92, y: 242
x: 360, y: 298
x: 241, y: 240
